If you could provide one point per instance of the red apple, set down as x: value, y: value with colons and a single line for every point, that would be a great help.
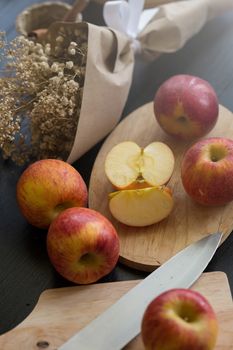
x: 82, y: 244
x: 179, y: 319
x: 46, y: 188
x: 207, y: 171
x: 186, y: 107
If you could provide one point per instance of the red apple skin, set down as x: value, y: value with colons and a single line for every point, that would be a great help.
x: 206, y: 181
x: 46, y: 188
x: 77, y: 232
x: 165, y: 325
x: 186, y: 107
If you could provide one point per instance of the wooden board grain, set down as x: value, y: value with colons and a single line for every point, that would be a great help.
x: 60, y: 313
x: 147, y: 247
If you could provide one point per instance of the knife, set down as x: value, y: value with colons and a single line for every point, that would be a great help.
x: 121, y: 322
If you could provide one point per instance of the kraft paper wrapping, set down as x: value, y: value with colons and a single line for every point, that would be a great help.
x: 109, y: 71
x: 110, y: 63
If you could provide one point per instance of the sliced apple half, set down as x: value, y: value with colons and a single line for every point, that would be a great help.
x: 129, y: 166
x: 141, y: 207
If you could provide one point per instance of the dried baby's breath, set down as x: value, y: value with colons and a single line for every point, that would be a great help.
x: 41, y: 90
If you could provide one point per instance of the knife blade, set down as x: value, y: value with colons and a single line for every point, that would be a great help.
x: 121, y: 322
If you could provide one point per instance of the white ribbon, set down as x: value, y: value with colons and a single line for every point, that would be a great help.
x: 128, y: 17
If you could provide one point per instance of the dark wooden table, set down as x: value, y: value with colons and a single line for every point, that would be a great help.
x: 25, y: 270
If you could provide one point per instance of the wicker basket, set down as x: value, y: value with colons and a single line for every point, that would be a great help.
x: 42, y: 16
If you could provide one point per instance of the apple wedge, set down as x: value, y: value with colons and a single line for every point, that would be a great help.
x: 128, y: 166
x: 141, y: 207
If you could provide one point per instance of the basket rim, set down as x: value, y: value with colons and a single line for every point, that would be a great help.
x: 20, y: 19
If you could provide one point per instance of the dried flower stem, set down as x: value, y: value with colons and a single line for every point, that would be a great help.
x: 41, y: 95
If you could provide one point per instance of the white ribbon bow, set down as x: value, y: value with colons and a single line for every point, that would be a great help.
x: 128, y: 17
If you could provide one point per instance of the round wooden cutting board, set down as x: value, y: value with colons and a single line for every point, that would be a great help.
x: 145, y: 248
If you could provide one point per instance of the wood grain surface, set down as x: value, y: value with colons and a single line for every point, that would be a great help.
x: 25, y: 269
x: 145, y: 248
x: 60, y: 313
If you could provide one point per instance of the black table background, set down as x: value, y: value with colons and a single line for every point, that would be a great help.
x: 25, y: 270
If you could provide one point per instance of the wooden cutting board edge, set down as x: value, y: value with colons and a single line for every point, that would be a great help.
x: 59, y: 313
x: 132, y: 253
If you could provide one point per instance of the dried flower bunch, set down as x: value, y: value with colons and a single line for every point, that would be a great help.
x: 41, y: 91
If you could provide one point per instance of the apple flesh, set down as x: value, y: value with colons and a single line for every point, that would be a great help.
x: 179, y: 319
x: 141, y: 207
x: 46, y: 188
x: 129, y: 166
x: 207, y: 171
x: 83, y: 245
x: 186, y: 107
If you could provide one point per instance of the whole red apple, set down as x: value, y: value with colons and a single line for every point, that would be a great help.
x: 207, y: 171
x: 46, y: 188
x: 179, y: 319
x: 186, y: 106
x: 83, y: 245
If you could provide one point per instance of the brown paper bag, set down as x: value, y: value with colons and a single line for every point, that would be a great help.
x: 110, y: 63
x: 109, y: 68
x: 108, y: 79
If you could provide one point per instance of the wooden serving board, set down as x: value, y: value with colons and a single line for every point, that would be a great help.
x: 145, y: 248
x: 60, y: 313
